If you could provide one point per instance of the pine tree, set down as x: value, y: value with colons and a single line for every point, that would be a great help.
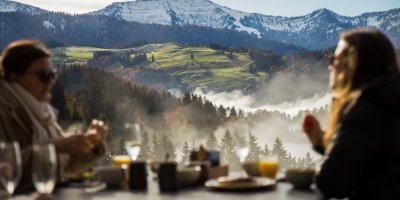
x: 233, y: 113
x: 255, y: 149
x: 309, y: 162
x: 145, y: 150
x: 167, y: 148
x: 212, y: 142
x: 185, y: 153
x: 186, y: 98
x: 280, y: 151
x: 241, y: 114
x: 266, y: 152
x: 227, y: 150
x: 221, y: 112
x: 156, y: 154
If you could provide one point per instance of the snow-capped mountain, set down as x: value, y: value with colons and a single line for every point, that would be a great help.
x: 177, y: 12
x: 11, y: 6
x: 317, y: 30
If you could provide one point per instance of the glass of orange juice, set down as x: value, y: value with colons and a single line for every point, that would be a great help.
x: 122, y: 161
x: 269, y: 168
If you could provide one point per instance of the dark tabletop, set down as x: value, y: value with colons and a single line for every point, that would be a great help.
x: 282, y: 191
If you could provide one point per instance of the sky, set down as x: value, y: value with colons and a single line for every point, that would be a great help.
x: 267, y: 7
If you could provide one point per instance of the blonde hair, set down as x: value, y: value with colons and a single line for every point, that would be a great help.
x: 345, y: 98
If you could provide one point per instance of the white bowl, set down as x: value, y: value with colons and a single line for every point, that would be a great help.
x: 300, y: 178
x: 252, y: 168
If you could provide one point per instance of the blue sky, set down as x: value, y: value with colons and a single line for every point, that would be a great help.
x: 268, y: 7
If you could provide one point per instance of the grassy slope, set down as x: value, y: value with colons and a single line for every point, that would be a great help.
x: 209, y: 69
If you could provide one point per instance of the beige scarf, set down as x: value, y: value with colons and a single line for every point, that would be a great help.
x: 43, y: 118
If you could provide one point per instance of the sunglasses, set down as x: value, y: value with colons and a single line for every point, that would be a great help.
x: 44, y: 75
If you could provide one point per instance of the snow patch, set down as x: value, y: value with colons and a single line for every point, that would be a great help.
x: 48, y: 24
x: 373, y: 22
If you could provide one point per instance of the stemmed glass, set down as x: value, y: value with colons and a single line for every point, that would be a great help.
x: 10, y: 165
x: 133, y: 140
x: 242, y: 147
x: 44, y: 167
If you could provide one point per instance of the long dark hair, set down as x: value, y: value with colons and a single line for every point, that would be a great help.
x: 18, y: 56
x: 375, y: 56
x: 371, y: 57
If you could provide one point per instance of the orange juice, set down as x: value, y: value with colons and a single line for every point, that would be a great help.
x: 268, y: 168
x: 121, y: 160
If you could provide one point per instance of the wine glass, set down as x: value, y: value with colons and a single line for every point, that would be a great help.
x: 132, y: 140
x: 10, y: 165
x: 242, y: 147
x: 44, y: 167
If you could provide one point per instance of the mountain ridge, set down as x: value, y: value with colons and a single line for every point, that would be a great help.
x: 11, y: 6
x: 323, y: 25
x: 314, y: 31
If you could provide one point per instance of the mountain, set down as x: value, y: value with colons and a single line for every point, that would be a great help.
x: 103, y: 31
x: 10, y: 6
x: 317, y: 30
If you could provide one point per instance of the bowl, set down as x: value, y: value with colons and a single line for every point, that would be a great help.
x: 300, y: 178
x: 252, y: 168
x: 188, y: 176
x: 111, y: 175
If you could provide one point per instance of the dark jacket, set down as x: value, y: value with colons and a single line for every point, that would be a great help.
x: 364, y: 162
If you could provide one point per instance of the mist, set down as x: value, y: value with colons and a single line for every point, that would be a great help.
x: 290, y: 95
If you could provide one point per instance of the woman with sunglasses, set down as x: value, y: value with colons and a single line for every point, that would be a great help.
x: 27, y: 117
x: 362, y: 141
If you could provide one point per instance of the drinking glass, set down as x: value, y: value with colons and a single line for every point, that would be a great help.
x: 10, y: 165
x: 242, y: 147
x: 44, y: 167
x: 132, y: 140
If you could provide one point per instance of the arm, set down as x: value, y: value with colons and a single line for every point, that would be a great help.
x: 358, y: 139
x: 83, y: 149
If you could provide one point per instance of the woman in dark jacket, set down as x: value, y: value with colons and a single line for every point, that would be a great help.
x: 362, y: 141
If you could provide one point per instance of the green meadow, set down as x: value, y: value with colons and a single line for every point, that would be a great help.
x: 209, y: 68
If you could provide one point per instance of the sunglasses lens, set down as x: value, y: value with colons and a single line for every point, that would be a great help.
x: 45, y: 76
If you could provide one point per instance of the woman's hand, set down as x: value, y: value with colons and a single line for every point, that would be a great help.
x: 313, y: 130
x: 73, y: 144
x: 82, y: 143
x: 97, y: 132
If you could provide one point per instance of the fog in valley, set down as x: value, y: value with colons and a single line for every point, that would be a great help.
x: 288, y: 93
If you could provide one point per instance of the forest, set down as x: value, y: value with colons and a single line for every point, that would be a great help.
x: 83, y: 93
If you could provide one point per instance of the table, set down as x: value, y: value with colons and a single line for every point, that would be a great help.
x: 283, y: 191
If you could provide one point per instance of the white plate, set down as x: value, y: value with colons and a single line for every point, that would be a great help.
x: 260, y: 183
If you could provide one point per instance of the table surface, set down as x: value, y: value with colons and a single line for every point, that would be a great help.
x: 282, y: 191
